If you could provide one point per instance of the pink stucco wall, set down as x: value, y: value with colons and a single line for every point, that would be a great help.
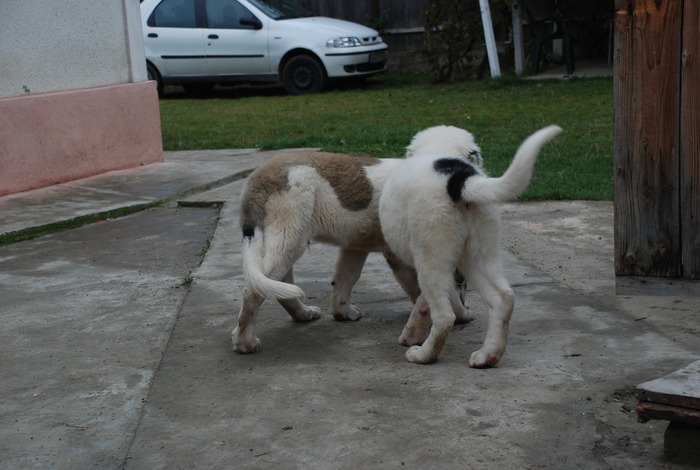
x: 49, y: 138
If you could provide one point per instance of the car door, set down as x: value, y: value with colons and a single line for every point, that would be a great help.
x: 175, y: 40
x: 234, y: 47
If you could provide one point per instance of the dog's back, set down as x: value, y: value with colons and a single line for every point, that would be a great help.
x: 345, y: 175
x: 295, y: 198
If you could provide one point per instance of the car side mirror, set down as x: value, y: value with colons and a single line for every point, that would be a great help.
x: 251, y: 21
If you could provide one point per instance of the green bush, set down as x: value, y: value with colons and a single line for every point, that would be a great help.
x: 452, y: 29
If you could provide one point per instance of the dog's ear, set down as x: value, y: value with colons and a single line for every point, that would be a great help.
x: 419, y: 140
x: 473, y: 156
x: 411, y: 149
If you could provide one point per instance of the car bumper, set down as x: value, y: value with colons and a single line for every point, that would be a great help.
x: 347, y: 63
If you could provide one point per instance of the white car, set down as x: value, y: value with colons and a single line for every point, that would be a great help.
x: 198, y: 43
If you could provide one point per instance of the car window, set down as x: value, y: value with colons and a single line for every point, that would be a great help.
x: 227, y: 14
x: 280, y: 10
x: 174, y: 14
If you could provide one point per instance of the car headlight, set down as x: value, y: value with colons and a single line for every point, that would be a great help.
x: 344, y: 42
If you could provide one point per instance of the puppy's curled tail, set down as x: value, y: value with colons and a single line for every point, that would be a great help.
x: 255, y: 279
x: 516, y: 178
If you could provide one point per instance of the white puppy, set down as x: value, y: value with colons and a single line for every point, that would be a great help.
x: 439, y: 213
x: 293, y: 199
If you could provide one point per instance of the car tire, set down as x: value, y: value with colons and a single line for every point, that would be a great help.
x: 302, y: 75
x: 153, y: 74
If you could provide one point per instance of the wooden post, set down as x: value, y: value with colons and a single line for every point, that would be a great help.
x: 690, y: 140
x: 517, y: 20
x: 490, y: 39
x: 647, y: 91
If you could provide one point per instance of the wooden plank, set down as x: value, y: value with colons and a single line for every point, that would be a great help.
x: 646, y: 411
x: 659, y: 286
x: 680, y: 388
x: 690, y: 140
x: 647, y: 110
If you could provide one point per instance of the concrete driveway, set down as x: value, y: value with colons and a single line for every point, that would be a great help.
x: 115, y: 347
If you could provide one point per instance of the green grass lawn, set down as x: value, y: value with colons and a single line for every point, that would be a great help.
x: 380, y: 118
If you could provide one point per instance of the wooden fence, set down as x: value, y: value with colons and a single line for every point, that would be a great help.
x: 397, y: 14
x: 400, y: 22
x: 657, y: 138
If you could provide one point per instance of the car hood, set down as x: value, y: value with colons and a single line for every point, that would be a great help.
x: 332, y: 27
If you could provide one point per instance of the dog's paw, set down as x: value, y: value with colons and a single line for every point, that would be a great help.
x: 347, y: 313
x: 409, y: 340
x: 417, y: 328
x: 245, y: 345
x: 310, y: 313
x: 463, y: 315
x: 419, y: 355
x: 244, y: 348
x: 411, y: 336
x: 482, y: 359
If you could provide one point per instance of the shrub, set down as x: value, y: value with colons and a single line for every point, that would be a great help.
x: 452, y: 29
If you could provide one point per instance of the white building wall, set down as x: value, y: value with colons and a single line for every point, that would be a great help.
x: 74, y: 95
x: 54, y: 45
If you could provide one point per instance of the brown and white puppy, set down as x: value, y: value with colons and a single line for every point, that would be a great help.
x: 293, y: 199
x: 440, y: 213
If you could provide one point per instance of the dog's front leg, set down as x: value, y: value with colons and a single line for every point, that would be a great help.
x: 418, y: 325
x: 347, y: 273
x: 243, y: 336
x: 462, y: 314
x: 404, y: 274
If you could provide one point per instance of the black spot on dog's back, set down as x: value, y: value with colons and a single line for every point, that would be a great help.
x: 458, y: 171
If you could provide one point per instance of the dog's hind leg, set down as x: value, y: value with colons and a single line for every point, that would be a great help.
x: 243, y: 336
x: 499, y: 299
x: 295, y: 307
x: 347, y: 273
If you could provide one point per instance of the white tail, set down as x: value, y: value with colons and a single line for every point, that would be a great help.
x: 256, y: 280
x: 516, y: 178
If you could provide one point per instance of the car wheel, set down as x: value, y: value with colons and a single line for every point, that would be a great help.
x: 153, y: 74
x: 303, y: 74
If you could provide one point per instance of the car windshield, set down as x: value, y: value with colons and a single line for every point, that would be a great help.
x: 279, y: 10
